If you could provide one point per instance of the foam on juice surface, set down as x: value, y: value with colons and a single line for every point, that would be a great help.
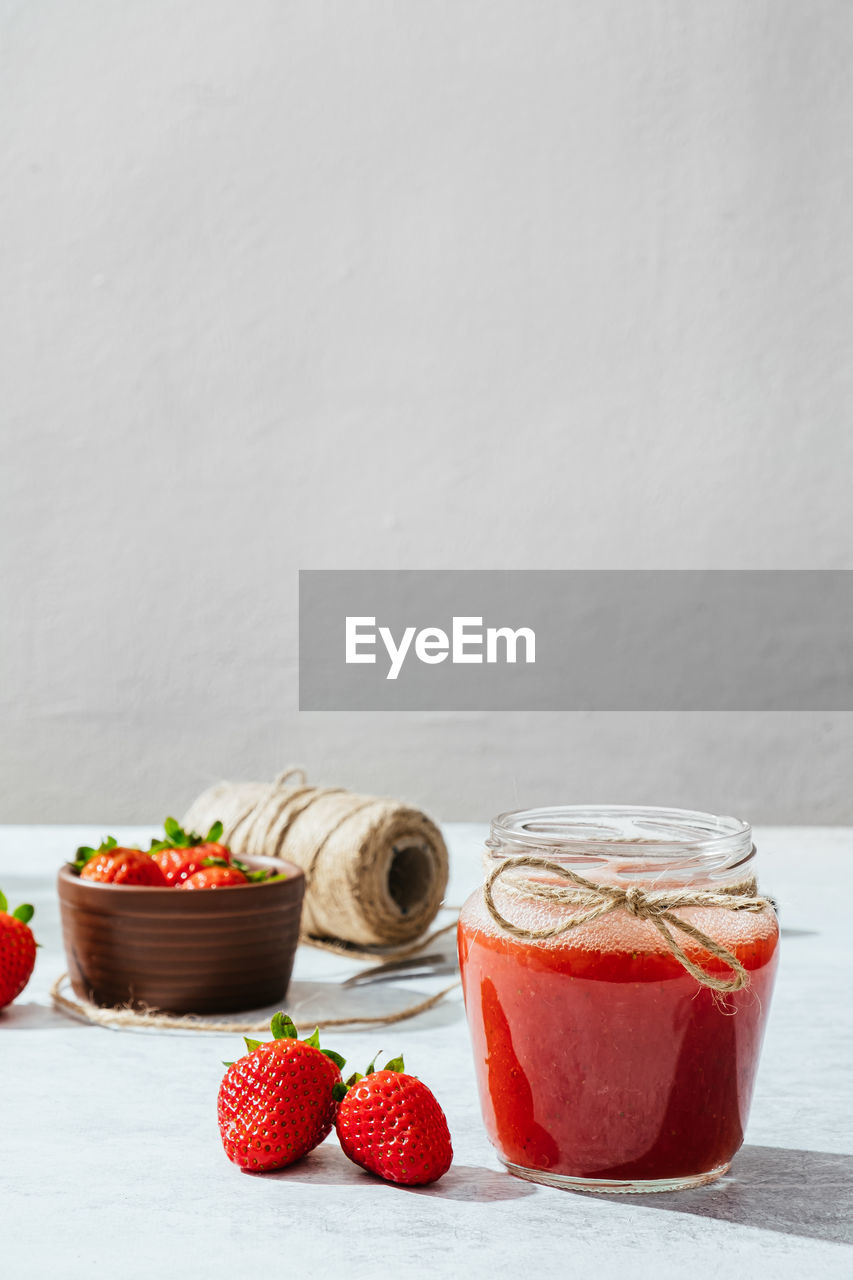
x: 618, y: 931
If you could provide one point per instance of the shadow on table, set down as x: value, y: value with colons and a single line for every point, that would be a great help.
x: 474, y: 1183
x: 29, y: 1015
x: 328, y: 1166
x: 798, y: 1193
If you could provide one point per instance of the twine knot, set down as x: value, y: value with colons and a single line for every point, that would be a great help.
x: 655, y: 905
x: 634, y: 901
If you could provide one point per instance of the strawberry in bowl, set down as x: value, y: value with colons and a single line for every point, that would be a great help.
x: 181, y: 854
x: 112, y: 863
x: 215, y: 877
x: 130, y: 939
x: 180, y: 858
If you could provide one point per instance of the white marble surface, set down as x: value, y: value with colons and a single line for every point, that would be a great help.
x: 111, y: 1161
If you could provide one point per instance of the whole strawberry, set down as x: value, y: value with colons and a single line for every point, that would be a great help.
x: 391, y: 1124
x: 214, y: 877
x: 17, y: 950
x: 177, y: 865
x: 181, y: 853
x: 112, y: 863
x: 277, y: 1103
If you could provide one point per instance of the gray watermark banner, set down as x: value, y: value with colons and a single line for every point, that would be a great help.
x: 575, y: 640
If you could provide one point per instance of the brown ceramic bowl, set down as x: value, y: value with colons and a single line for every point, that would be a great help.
x: 203, y: 951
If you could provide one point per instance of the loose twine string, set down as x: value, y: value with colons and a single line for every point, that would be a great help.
x: 656, y: 906
x: 127, y: 1016
x: 350, y: 952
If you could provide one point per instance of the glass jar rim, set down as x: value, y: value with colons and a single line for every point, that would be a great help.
x: 623, y: 831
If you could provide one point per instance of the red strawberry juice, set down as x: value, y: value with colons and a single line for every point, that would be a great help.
x: 599, y: 1057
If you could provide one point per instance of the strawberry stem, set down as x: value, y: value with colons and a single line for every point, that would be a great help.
x: 177, y: 838
x: 393, y: 1064
x: 86, y: 854
x: 283, y: 1028
x: 24, y: 912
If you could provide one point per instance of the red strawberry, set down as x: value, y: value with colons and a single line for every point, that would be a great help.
x: 391, y: 1125
x: 277, y: 1103
x: 182, y: 853
x: 113, y: 864
x: 178, y: 865
x: 214, y: 878
x: 17, y: 951
x: 212, y: 849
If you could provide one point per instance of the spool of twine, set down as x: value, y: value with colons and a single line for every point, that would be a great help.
x: 375, y: 869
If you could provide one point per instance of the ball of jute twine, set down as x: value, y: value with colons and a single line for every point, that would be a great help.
x: 657, y: 906
x: 375, y: 869
x: 126, y: 1017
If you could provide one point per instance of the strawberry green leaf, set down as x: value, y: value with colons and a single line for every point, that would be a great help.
x: 216, y: 862
x: 214, y: 833
x: 339, y: 1091
x: 396, y: 1064
x: 4, y: 905
x: 176, y: 837
x: 339, y: 1062
x: 370, y: 1070
x: 255, y: 876
x: 85, y: 853
x: 24, y: 913
x: 283, y: 1028
x: 313, y: 1039
x: 252, y: 1045
x: 354, y: 1079
x: 227, y: 1064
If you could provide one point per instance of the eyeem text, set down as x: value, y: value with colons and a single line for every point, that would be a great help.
x: 466, y: 642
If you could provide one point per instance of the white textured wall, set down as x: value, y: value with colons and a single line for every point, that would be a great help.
x: 466, y: 283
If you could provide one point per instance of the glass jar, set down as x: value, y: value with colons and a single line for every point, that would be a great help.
x: 605, y: 1060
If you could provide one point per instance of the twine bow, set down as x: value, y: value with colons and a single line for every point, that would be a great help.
x: 656, y: 906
